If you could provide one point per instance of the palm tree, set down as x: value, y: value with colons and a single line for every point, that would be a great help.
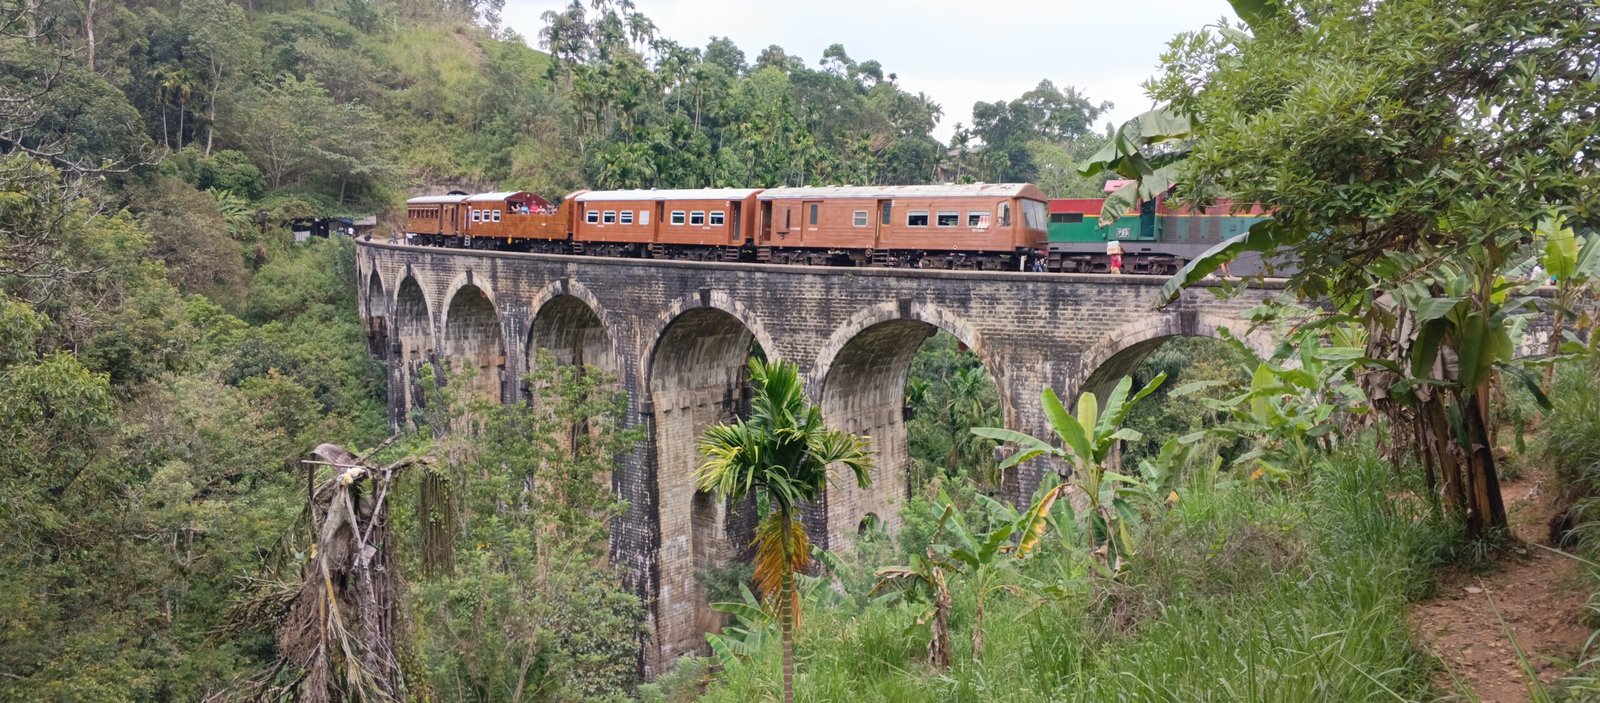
x: 781, y: 452
x: 971, y: 404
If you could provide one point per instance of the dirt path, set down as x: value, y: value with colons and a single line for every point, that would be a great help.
x: 1537, y: 593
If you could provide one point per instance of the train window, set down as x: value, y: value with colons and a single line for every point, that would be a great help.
x: 677, y: 217
x: 883, y: 216
x: 859, y: 219
x: 717, y: 218
x: 949, y: 219
x: 495, y: 214
x: 1035, y: 214
x: 1065, y: 218
x: 644, y: 217
x: 625, y: 217
x: 917, y: 218
x: 610, y: 217
x: 813, y: 215
x: 697, y: 218
x: 592, y: 217
x: 1003, y: 214
x: 475, y: 214
x: 978, y: 219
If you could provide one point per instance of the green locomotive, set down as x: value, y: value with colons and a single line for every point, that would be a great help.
x: 1154, y: 239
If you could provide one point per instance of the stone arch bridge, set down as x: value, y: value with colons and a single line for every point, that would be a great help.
x: 677, y: 334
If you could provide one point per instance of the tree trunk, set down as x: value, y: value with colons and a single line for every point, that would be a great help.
x: 211, y: 108
x: 1434, y: 422
x: 977, y: 631
x: 1555, y: 347
x: 786, y: 624
x: 341, y: 627
x: 88, y: 29
x: 939, y: 644
x: 166, y: 139
x: 1486, y: 508
x: 437, y: 518
x: 30, y: 8
x: 182, y: 108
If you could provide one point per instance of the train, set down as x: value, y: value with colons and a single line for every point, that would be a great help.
x: 1155, y: 238
x: 981, y: 226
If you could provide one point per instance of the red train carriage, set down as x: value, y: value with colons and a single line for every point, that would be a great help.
x: 506, y: 220
x: 987, y: 226
x: 512, y: 219
x: 435, y: 218
x: 701, y: 224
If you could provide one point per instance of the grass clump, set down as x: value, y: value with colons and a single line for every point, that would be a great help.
x: 1240, y: 592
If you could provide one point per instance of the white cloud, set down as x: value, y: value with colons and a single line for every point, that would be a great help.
x: 956, y: 51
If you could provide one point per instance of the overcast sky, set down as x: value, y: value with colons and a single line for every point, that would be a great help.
x: 957, y: 51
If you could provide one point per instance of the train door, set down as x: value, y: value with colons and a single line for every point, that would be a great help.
x: 811, y: 211
x: 882, y: 228
x: 734, y: 234
x: 1147, y: 220
x: 786, y: 222
x: 766, y: 222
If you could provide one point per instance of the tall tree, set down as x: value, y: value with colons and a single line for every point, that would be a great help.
x: 1408, y: 150
x: 782, y: 453
x: 214, y: 27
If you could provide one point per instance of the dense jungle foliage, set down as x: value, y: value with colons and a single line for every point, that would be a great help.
x: 168, y: 356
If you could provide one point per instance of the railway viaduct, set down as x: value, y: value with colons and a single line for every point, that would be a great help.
x: 677, y: 334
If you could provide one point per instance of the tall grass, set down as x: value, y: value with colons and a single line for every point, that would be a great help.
x: 1241, y: 593
x: 1570, y: 444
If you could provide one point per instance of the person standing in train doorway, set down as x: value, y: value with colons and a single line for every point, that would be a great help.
x: 1114, y: 251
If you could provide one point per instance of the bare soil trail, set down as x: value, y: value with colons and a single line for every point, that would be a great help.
x: 1538, y: 595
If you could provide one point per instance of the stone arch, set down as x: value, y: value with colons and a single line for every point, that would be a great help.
x: 705, y: 299
x: 414, y: 340
x: 377, y: 315
x: 870, y: 521
x: 377, y: 301
x: 569, y: 321
x: 1119, y: 353
x: 860, y: 378
x: 473, y: 340
x: 695, y: 376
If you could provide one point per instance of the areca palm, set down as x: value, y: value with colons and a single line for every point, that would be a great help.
x: 781, y: 452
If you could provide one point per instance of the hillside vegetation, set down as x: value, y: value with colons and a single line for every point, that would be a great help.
x: 1232, y: 528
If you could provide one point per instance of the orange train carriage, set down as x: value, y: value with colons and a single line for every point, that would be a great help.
x: 982, y: 226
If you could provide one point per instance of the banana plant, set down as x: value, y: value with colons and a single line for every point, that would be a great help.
x: 1571, y: 262
x: 1289, y: 411
x: 954, y: 549
x: 1087, y: 441
x: 752, y: 626
x: 923, y: 578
